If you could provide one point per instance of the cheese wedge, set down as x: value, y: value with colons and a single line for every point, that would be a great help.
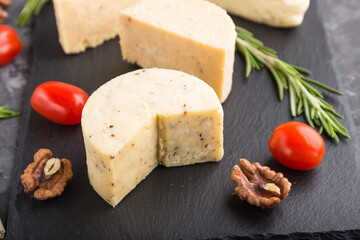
x: 87, y: 23
x: 193, y: 36
x: 277, y: 13
x: 145, y: 118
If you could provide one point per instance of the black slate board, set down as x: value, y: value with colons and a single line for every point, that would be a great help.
x: 194, y: 201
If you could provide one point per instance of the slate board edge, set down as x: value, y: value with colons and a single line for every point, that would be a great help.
x: 355, y: 136
x: 23, y: 123
x: 347, y: 234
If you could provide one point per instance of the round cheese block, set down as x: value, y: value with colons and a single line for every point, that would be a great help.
x: 145, y: 118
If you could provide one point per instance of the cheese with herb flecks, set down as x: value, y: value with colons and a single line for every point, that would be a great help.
x: 193, y: 36
x: 87, y: 23
x: 145, y: 118
x: 277, y: 13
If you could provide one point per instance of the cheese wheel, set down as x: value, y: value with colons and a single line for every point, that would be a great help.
x: 277, y: 13
x: 193, y: 36
x: 146, y: 117
x: 87, y: 23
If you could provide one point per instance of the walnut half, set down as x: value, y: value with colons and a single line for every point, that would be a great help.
x: 49, y: 175
x: 258, y: 185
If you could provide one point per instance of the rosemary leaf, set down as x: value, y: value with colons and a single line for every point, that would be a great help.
x: 292, y: 101
x: 280, y: 86
x: 321, y: 85
x: 312, y: 113
x: 311, y: 89
x: 283, y: 80
x: 5, y: 112
x: 307, y: 111
x: 317, y: 121
x: 324, y: 123
x: 300, y: 108
x: 301, y: 70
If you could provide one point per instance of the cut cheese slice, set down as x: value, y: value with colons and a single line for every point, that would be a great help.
x: 87, y: 23
x: 146, y: 117
x: 194, y: 36
x: 277, y: 13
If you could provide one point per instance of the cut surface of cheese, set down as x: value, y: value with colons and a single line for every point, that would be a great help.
x: 193, y: 36
x: 87, y: 23
x: 145, y: 118
x: 277, y: 13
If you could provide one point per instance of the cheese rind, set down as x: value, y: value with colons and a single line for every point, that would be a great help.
x: 193, y: 36
x: 147, y: 117
x: 277, y: 13
x: 87, y: 23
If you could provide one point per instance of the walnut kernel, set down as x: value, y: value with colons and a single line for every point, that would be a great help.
x: 271, y: 187
x: 52, y: 166
x: 258, y: 185
x: 46, y: 176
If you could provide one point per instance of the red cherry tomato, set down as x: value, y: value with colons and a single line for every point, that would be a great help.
x: 59, y: 102
x: 297, y: 145
x: 10, y: 44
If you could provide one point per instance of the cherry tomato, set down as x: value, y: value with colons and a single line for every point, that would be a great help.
x: 10, y: 44
x: 59, y: 102
x: 297, y: 145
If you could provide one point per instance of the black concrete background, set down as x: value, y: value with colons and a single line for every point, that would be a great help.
x: 342, y: 28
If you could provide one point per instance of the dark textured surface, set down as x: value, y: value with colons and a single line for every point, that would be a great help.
x: 196, y: 201
x: 12, y: 85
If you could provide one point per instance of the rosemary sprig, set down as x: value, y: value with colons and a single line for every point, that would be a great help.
x: 31, y: 8
x: 304, y: 98
x: 5, y: 112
